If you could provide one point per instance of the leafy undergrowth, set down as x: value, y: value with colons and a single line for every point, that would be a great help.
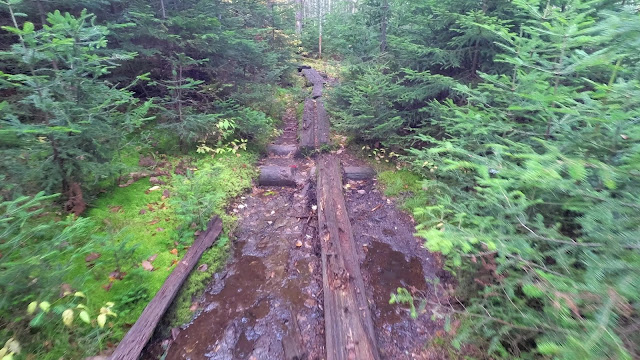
x: 139, y: 233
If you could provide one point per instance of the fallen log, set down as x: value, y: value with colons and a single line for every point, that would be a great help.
x: 313, y: 77
x: 348, y: 323
x: 359, y: 173
x: 316, y: 92
x: 277, y: 176
x: 282, y: 150
x: 307, y: 130
x: 135, y: 340
x: 322, y: 124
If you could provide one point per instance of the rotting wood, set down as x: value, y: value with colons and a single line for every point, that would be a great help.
x: 359, y: 172
x: 307, y: 130
x: 316, y: 91
x: 277, y: 176
x: 348, y: 323
x: 135, y: 340
x: 322, y: 124
x: 282, y: 150
x: 313, y: 77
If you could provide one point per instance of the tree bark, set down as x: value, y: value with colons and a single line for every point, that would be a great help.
x: 277, y: 176
x: 383, y: 26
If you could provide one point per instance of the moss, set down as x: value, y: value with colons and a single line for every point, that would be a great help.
x: 133, y: 224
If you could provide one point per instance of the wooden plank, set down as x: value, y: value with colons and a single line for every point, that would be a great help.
x: 316, y: 92
x: 322, y: 124
x: 276, y: 176
x: 313, y: 77
x: 135, y: 340
x: 348, y: 323
x: 307, y: 130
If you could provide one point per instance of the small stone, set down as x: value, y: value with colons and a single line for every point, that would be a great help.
x: 361, y: 192
x: 298, y: 243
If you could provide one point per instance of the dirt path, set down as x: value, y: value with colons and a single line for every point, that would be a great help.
x: 268, y: 302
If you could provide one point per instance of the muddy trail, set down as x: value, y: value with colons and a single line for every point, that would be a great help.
x: 269, y: 301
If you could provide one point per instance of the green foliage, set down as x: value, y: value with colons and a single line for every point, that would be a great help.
x: 522, y: 120
x: 69, y: 120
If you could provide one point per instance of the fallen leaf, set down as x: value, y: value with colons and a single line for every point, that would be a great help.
x: 108, y: 286
x: 91, y: 257
x: 117, y: 275
x: 203, y: 267
x: 152, y: 257
x: 174, y: 252
x: 143, y: 211
x: 160, y: 229
x: 166, y: 194
x: 147, y: 265
x: 197, y: 233
x: 150, y: 207
x: 154, y: 221
x: 154, y: 188
x: 298, y: 243
x: 65, y: 289
x: 115, y: 209
x: 624, y: 137
x: 193, y: 307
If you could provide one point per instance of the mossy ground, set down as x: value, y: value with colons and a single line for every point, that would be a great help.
x: 134, y: 224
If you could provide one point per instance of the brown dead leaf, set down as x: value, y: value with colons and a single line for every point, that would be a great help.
x: 174, y: 251
x: 150, y: 207
x: 91, y: 257
x: 197, y: 233
x: 143, y: 211
x: 160, y: 229
x: 166, y: 194
x: 65, y: 289
x: 154, y: 221
x: 203, y: 267
x: 298, y: 243
x: 173, y: 262
x: 147, y: 265
x: 108, y: 286
x: 152, y: 257
x: 193, y: 307
x: 624, y: 137
x: 115, y: 209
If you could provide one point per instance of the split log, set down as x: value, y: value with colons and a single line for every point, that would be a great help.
x: 135, y: 340
x: 282, y: 150
x: 313, y: 77
x: 277, y: 176
x: 307, y: 130
x: 322, y: 124
x: 348, y: 323
x: 316, y: 92
x: 359, y: 173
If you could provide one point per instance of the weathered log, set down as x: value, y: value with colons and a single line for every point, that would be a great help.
x: 140, y: 333
x: 316, y: 92
x: 313, y: 77
x: 302, y: 67
x: 359, y: 173
x: 277, y: 176
x: 282, y: 150
x: 307, y: 130
x: 348, y: 323
x: 322, y: 124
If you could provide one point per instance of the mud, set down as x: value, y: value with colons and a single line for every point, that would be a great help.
x: 391, y: 257
x: 270, y: 294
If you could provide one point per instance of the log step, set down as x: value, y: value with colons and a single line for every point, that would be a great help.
x: 313, y: 77
x: 277, y: 176
x: 282, y: 150
x: 322, y: 124
x: 359, y: 172
x: 307, y: 131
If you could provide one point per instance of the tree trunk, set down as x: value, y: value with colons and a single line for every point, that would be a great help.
x: 383, y: 26
x: 299, y: 5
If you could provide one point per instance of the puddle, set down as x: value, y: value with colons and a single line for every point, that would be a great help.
x: 391, y: 270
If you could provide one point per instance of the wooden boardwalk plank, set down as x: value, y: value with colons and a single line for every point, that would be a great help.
x: 348, y: 323
x: 135, y: 340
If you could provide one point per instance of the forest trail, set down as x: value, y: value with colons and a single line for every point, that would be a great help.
x: 269, y: 302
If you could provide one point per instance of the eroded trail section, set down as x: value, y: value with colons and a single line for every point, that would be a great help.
x: 267, y: 303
